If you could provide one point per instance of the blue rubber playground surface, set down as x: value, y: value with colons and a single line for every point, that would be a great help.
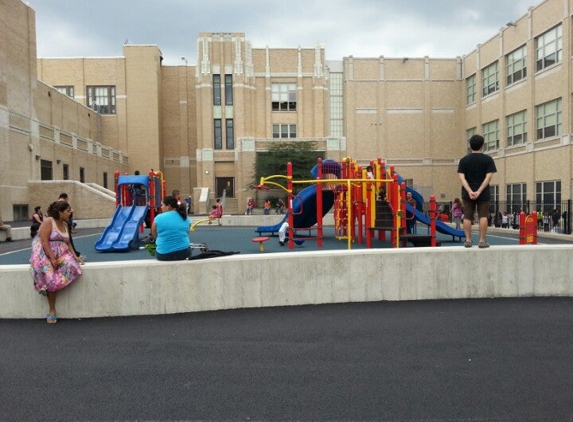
x: 239, y: 239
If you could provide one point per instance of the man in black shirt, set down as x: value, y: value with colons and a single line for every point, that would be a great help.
x: 475, y: 172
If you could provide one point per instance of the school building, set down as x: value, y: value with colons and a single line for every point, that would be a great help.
x: 203, y: 124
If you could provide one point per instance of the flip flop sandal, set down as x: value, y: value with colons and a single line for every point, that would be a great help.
x: 51, y: 319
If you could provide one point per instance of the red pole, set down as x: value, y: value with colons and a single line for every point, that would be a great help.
x: 319, y: 204
x: 152, y: 193
x: 433, y: 216
x: 395, y: 202
x: 290, y: 199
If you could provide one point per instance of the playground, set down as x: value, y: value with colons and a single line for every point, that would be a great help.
x: 342, y: 207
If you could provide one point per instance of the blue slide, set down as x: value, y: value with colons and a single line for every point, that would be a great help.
x: 440, y: 225
x: 304, y: 210
x: 123, y: 230
x: 422, y: 218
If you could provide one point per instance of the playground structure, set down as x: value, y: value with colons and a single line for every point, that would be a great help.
x: 138, y: 200
x: 363, y: 207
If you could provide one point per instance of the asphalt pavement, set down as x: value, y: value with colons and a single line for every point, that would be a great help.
x: 462, y: 360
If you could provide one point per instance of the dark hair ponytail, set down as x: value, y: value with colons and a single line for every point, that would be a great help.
x: 180, y: 208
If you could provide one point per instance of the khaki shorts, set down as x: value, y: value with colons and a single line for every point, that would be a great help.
x: 470, y: 209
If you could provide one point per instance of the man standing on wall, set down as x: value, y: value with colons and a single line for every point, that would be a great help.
x: 475, y: 172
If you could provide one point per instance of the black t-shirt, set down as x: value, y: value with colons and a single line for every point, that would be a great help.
x: 475, y: 166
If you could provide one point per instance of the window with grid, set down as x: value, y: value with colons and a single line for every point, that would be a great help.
x: 66, y: 89
x: 469, y: 133
x: 490, y: 79
x: 228, y: 89
x: 230, y: 133
x: 218, y: 134
x: 516, y: 125
x: 548, y: 195
x: 283, y: 97
x: 491, y: 136
x: 516, y: 65
x: 336, y: 104
x: 101, y: 99
x: 549, y: 48
x: 471, y: 89
x: 216, y: 90
x: 548, y: 119
x: 284, y: 131
x: 516, y: 197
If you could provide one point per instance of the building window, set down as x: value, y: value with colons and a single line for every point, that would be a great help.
x: 283, y: 97
x: 82, y: 175
x: 516, y: 196
x: 67, y: 90
x: 490, y: 79
x: 469, y: 133
x: 336, y: 105
x: 471, y: 89
x: 228, y: 89
x: 66, y: 172
x: 20, y: 212
x: 516, y: 128
x: 491, y: 136
x: 284, y: 131
x: 218, y: 131
x: 105, y: 179
x: 46, y: 170
x: 549, y: 48
x: 101, y: 99
x: 516, y: 65
x: 217, y: 90
x: 548, y: 195
x: 548, y: 119
x: 230, y: 134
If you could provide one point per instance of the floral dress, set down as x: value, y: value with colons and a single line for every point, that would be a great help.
x: 46, y: 278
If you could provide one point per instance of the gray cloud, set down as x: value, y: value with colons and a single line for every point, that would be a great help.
x: 363, y: 28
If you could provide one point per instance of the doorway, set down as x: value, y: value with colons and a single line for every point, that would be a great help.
x: 225, y: 185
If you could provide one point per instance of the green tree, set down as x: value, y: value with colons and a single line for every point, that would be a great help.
x: 302, y: 155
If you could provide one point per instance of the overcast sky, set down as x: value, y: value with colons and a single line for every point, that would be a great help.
x: 362, y: 28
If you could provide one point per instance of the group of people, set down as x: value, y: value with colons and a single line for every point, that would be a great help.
x: 279, y: 207
x: 55, y: 262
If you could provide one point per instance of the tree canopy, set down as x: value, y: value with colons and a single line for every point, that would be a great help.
x: 302, y: 155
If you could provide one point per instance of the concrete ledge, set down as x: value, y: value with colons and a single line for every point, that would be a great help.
x: 302, y: 278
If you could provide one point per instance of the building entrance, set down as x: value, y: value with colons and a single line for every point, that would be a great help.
x: 225, y: 185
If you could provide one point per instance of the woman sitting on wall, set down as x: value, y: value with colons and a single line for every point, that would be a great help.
x: 170, y: 229
x: 54, y: 263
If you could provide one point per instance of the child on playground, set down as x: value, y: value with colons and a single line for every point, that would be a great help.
x: 213, y: 214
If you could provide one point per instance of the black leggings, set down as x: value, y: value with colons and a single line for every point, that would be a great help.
x: 174, y: 256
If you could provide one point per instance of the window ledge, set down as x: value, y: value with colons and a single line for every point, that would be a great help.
x: 554, y: 68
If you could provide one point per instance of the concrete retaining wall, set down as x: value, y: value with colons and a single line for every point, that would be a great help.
x: 301, y: 278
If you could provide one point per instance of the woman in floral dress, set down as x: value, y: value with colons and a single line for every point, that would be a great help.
x: 54, y: 263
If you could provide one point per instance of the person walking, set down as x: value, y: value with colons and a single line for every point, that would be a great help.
x: 457, y: 212
x: 475, y: 171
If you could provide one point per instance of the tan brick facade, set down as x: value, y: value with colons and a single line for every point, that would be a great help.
x: 411, y: 112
